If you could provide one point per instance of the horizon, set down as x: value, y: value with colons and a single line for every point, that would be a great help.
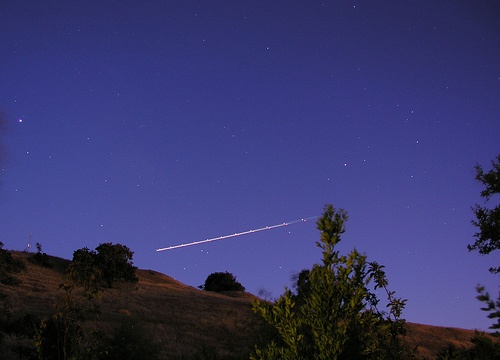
x: 156, y: 124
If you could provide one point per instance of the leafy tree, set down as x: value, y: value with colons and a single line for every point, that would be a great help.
x: 110, y: 263
x: 302, y: 285
x: 85, y: 271
x: 115, y: 263
x: 337, y: 316
x: 220, y: 282
x: 62, y: 335
x: 488, y: 220
x: 488, y: 236
x: 58, y: 337
x: 491, y: 306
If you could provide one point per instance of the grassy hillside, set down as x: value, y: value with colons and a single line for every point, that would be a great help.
x: 183, y: 322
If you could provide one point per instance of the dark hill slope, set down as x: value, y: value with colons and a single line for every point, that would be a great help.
x: 183, y: 321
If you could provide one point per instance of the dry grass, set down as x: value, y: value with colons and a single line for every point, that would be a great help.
x: 430, y: 339
x: 179, y: 318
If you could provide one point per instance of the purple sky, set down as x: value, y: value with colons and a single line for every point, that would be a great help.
x: 157, y: 124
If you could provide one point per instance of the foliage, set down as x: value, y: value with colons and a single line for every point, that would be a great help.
x: 62, y: 336
x: 483, y: 348
x: 488, y: 236
x: 18, y: 329
x: 337, y: 316
x: 302, y: 286
x: 110, y: 263
x: 41, y: 257
x: 9, y: 265
x: 492, y: 306
x: 85, y: 271
x: 115, y: 263
x: 58, y: 337
x: 220, y: 282
x: 488, y: 220
x: 23, y: 328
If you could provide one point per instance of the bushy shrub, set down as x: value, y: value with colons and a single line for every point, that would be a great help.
x: 59, y: 337
x: 41, y: 258
x: 220, y: 282
x: 483, y: 348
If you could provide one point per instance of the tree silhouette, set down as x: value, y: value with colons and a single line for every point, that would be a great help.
x: 85, y: 271
x: 115, y: 263
x: 488, y: 220
x: 337, y: 316
x: 220, y: 282
x: 109, y: 263
x: 488, y: 236
x: 62, y: 335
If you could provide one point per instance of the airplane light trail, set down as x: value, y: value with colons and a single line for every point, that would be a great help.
x: 236, y: 234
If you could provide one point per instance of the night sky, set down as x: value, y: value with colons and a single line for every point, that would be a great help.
x: 157, y: 123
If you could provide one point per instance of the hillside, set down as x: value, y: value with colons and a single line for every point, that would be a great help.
x: 182, y: 321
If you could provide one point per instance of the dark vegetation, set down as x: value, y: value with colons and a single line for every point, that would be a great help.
x: 156, y: 316
x: 488, y: 220
x: 49, y: 313
x: 221, y: 282
x: 335, y: 313
x: 488, y: 235
x: 109, y: 264
x: 484, y: 348
x: 99, y: 306
x: 40, y: 257
x: 9, y: 266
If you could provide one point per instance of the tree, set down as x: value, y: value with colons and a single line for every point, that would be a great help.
x: 220, y: 282
x: 62, y: 335
x: 487, y: 220
x: 41, y: 257
x: 85, y: 271
x: 115, y: 263
x: 66, y: 335
x: 492, y: 306
x: 302, y: 286
x: 337, y: 315
x: 108, y: 264
x: 59, y: 337
x: 488, y: 236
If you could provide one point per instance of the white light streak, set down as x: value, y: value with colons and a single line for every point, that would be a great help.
x: 236, y: 234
